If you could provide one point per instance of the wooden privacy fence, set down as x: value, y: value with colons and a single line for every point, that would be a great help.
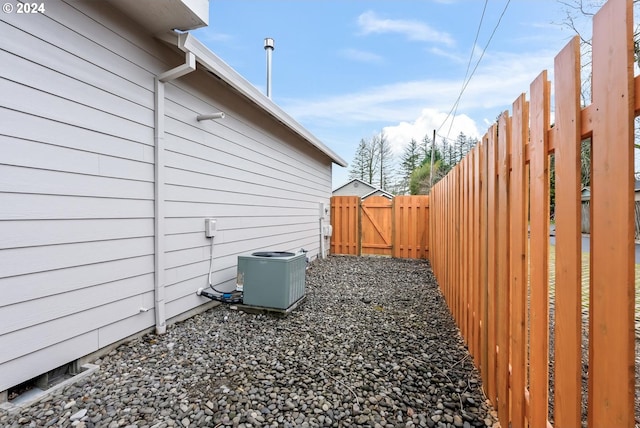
x: 489, y: 234
x: 380, y: 226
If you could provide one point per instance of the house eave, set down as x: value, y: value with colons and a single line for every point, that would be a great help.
x: 159, y: 16
x: 205, y: 57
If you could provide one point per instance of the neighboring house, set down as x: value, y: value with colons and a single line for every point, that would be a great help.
x: 585, y: 221
x: 378, y: 192
x: 107, y: 176
x: 357, y: 187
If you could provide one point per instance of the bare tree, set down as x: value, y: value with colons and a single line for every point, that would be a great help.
x: 360, y: 161
x: 372, y: 161
x: 578, y: 17
x: 366, y: 161
x: 385, y: 159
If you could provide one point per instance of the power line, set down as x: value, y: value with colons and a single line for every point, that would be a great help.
x: 466, y: 83
x: 466, y: 73
x: 475, y: 41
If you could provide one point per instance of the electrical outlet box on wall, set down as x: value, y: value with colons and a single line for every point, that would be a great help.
x: 210, y: 227
x: 322, y: 207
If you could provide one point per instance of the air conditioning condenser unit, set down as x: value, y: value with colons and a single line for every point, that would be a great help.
x: 272, y: 279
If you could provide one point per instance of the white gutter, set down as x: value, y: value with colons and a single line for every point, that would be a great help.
x: 188, y: 43
x: 159, y: 186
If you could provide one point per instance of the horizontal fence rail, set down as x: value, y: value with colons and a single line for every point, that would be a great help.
x: 490, y: 247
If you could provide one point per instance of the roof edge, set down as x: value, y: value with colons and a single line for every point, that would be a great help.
x: 188, y: 43
x: 385, y: 193
x: 351, y: 181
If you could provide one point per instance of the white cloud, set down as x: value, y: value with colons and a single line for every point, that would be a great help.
x: 494, y: 87
x: 429, y: 119
x: 360, y: 56
x: 413, y: 109
x: 447, y: 54
x: 370, y: 23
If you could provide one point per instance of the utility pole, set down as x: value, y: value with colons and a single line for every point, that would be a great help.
x: 433, y: 145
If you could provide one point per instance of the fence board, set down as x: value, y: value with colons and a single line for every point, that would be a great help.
x: 568, y: 323
x: 502, y: 286
x: 464, y: 242
x: 468, y: 249
x: 475, y: 256
x: 539, y: 255
x: 483, y: 253
x: 518, y: 259
x: 456, y: 256
x: 611, y: 303
x: 492, y: 259
x: 450, y: 248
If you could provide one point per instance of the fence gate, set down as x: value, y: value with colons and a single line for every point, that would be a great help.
x: 379, y: 226
x: 377, y: 231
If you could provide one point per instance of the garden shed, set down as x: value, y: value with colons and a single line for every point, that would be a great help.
x: 119, y: 138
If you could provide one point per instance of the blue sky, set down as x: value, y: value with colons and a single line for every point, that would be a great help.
x: 348, y: 69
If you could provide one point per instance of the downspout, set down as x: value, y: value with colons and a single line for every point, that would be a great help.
x: 159, y: 183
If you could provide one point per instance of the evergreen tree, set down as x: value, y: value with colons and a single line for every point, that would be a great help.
x: 408, y: 163
x: 425, y: 148
x: 421, y: 178
x: 461, y: 147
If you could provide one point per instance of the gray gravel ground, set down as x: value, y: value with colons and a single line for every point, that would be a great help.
x: 372, y: 345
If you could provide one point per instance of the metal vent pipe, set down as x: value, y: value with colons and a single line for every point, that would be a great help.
x: 269, y: 47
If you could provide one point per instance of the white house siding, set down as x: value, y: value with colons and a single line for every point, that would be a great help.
x: 76, y: 184
x: 263, y: 192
